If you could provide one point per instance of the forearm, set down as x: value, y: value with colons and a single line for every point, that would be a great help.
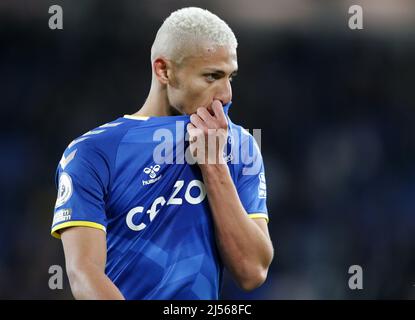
x: 245, y: 249
x: 89, y: 282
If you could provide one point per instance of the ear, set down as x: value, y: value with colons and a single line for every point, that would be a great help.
x: 161, y: 70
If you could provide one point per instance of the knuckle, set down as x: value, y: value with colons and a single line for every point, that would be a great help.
x: 199, y: 110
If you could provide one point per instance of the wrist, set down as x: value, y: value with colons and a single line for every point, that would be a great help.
x: 211, y: 170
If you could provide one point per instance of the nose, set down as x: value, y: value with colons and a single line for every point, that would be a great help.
x: 224, y: 92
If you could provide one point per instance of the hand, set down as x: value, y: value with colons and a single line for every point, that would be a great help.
x: 208, y: 134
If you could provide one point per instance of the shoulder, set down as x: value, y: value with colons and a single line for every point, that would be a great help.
x: 95, y: 148
x: 244, y: 151
x: 102, y: 139
x: 245, y: 141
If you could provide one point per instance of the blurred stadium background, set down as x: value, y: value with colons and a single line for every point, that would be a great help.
x: 336, y: 108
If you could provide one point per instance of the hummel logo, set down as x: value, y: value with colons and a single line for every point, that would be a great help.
x: 152, y: 173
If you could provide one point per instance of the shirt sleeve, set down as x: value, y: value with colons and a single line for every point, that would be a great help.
x: 251, y: 184
x: 82, y: 178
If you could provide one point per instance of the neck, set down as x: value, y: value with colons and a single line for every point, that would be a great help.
x: 157, y: 104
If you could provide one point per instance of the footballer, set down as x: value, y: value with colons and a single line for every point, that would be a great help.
x: 134, y: 227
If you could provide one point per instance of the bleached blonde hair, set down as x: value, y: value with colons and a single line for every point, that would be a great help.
x: 186, y: 29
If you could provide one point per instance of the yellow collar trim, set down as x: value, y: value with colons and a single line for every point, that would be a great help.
x: 128, y: 116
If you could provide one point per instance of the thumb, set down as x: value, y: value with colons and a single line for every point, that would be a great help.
x: 218, y: 109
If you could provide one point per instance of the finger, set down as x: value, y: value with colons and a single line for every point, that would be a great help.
x: 194, y: 133
x: 218, y: 111
x: 197, y: 122
x: 190, y: 126
x: 191, y: 129
x: 204, y: 114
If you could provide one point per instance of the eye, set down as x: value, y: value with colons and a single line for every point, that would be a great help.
x: 210, y: 77
x: 232, y: 76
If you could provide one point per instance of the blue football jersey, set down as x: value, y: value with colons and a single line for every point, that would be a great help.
x: 130, y: 178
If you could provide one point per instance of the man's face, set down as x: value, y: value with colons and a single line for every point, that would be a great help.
x: 202, y: 78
